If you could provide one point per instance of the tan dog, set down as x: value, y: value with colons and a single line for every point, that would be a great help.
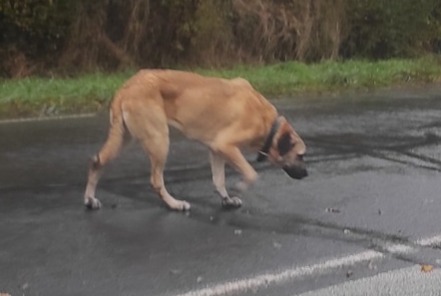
x: 225, y: 115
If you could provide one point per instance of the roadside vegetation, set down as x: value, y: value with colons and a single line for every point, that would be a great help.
x: 37, y: 96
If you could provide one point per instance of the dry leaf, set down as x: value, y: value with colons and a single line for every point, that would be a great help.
x: 426, y: 268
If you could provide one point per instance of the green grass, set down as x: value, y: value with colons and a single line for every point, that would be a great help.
x: 40, y: 96
x: 293, y: 77
x: 87, y: 93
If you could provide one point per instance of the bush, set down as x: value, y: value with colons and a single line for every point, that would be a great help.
x: 41, y: 36
x: 393, y: 28
x: 32, y: 31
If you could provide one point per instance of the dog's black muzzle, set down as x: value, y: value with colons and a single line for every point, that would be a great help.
x: 296, y: 171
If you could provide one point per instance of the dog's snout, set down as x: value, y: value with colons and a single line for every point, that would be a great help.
x: 296, y: 172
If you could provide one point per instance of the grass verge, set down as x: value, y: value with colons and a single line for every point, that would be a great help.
x: 36, y: 96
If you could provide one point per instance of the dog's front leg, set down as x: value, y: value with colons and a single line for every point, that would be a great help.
x: 218, y: 171
x: 233, y: 155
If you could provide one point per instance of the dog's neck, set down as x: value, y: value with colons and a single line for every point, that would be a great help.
x: 263, y: 153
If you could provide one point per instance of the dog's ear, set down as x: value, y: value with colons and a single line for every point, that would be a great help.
x: 284, y: 144
x: 286, y: 141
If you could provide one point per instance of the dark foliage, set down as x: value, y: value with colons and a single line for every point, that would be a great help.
x: 64, y: 36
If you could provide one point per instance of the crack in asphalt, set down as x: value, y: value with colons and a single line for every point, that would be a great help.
x: 378, y: 147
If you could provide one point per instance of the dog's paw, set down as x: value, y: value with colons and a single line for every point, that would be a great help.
x: 185, y: 206
x: 180, y: 205
x: 231, y: 202
x: 92, y: 203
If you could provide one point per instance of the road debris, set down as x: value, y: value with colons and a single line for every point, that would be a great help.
x: 372, y: 265
x: 175, y: 271
x: 277, y: 245
x: 333, y: 210
x: 426, y: 268
x: 238, y: 232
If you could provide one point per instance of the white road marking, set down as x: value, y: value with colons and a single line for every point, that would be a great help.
x: 267, y: 279
x: 278, y: 277
x: 47, y: 118
x: 400, y: 249
x: 430, y: 241
x: 408, y: 281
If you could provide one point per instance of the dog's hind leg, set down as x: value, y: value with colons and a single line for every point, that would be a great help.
x: 148, y: 123
x: 157, y: 149
x: 115, y: 141
x: 218, y: 171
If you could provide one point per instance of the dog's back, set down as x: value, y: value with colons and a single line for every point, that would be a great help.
x: 195, y: 104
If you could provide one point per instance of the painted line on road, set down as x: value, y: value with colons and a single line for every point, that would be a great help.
x: 48, y: 118
x: 433, y: 241
x: 267, y: 279
x: 409, y: 281
x: 278, y: 277
x: 399, y: 249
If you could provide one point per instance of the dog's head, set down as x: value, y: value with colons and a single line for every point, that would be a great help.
x: 287, y: 151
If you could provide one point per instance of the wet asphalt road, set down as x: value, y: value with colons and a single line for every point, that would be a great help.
x: 373, y: 188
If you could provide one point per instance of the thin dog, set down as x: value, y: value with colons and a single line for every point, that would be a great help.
x: 226, y: 115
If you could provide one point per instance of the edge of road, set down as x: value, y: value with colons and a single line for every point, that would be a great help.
x: 47, y: 118
x: 402, y: 91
